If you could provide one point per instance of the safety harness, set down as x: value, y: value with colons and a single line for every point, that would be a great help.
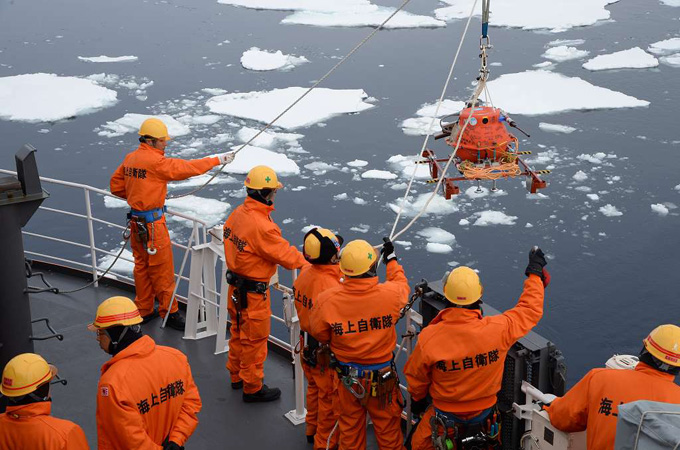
x: 242, y: 286
x: 451, y: 432
x: 369, y: 380
x: 144, y: 227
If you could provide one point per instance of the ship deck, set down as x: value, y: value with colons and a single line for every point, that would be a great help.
x: 225, y: 420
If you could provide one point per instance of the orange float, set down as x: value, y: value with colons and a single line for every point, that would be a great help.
x: 486, y: 151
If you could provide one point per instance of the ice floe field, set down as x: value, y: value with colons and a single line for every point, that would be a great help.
x: 594, y: 82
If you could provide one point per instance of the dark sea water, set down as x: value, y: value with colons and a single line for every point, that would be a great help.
x: 613, y: 278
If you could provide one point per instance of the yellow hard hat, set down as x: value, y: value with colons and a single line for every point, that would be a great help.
x: 664, y: 344
x: 262, y: 177
x: 116, y: 311
x: 24, y: 374
x: 155, y: 128
x: 357, y: 258
x: 320, y: 245
x: 462, y: 286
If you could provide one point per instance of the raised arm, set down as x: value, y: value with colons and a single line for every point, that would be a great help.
x: 278, y: 250
x: 175, y: 169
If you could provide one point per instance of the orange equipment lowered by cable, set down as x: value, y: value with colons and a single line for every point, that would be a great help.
x: 487, y: 151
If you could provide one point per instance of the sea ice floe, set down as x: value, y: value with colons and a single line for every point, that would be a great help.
x: 538, y: 92
x: 554, y: 15
x: 406, y: 164
x: 131, y: 122
x: 124, y: 265
x: 342, y: 196
x: 568, y: 42
x: 205, y: 119
x: 358, y: 163
x: 378, y: 174
x: 660, y: 209
x: 463, y: 222
x: 433, y: 247
x: 474, y: 192
x: 207, y: 209
x: 556, y: 128
x: 672, y: 60
x: 108, y: 59
x: 136, y: 86
x: 437, y: 235
x: 359, y: 201
x: 564, y: 53
x: 633, y: 58
x: 333, y: 13
x: 580, y: 176
x: 665, y: 47
x: 46, y: 97
x: 486, y: 218
x: 263, y: 106
x: 595, y: 158
x: 269, y: 139
x: 319, y: 167
x: 361, y: 228
x: 252, y: 156
x: 593, y: 197
x: 214, y: 91
x: 610, y: 210
x: 412, y: 206
x: 428, y: 114
x: 670, y: 2
x: 263, y: 60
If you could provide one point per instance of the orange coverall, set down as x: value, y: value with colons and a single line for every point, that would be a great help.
x: 321, y: 387
x: 146, y: 394
x: 142, y: 180
x: 358, y: 320
x: 253, y: 246
x: 593, y: 403
x: 32, y: 427
x: 460, y: 356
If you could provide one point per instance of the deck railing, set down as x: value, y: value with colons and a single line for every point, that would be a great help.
x: 206, y: 302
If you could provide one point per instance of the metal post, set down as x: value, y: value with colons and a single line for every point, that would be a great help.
x: 297, y: 415
x: 20, y: 197
x: 90, y: 231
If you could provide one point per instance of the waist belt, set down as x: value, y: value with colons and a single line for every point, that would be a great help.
x: 360, y: 370
x: 309, y: 348
x: 248, y: 285
x: 149, y: 216
x: 452, y: 419
x: 450, y: 431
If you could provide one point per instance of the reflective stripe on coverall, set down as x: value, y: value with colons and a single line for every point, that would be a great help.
x: 358, y: 320
x: 460, y: 356
x: 142, y: 180
x: 32, y: 427
x: 253, y: 246
x: 146, y: 394
x: 593, y: 403
x: 321, y: 387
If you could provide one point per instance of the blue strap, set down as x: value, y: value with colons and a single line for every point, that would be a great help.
x: 485, y: 18
x: 450, y: 417
x: 364, y: 368
x: 151, y: 215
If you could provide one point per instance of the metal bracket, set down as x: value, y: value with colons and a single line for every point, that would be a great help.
x: 54, y: 334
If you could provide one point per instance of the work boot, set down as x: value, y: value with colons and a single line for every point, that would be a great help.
x: 237, y: 385
x: 265, y: 394
x: 176, y: 321
x: 149, y: 317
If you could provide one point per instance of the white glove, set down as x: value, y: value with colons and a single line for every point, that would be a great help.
x: 226, y: 158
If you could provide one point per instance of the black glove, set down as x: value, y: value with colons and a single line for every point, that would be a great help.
x: 536, y: 263
x: 387, y: 251
x: 418, y: 407
x: 172, y: 446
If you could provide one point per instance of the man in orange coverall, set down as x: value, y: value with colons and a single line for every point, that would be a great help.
x: 460, y: 355
x: 358, y: 319
x: 321, y: 248
x: 253, y: 246
x: 142, y: 180
x: 27, y: 423
x: 593, y: 403
x: 146, y: 398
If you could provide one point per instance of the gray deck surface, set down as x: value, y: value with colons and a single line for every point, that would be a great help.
x: 225, y: 421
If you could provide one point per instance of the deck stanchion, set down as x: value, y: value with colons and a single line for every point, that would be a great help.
x: 90, y: 233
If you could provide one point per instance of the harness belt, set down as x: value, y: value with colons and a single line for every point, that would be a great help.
x: 244, y: 285
x: 144, y: 228
x: 451, y: 432
x: 149, y: 216
x: 364, y: 381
